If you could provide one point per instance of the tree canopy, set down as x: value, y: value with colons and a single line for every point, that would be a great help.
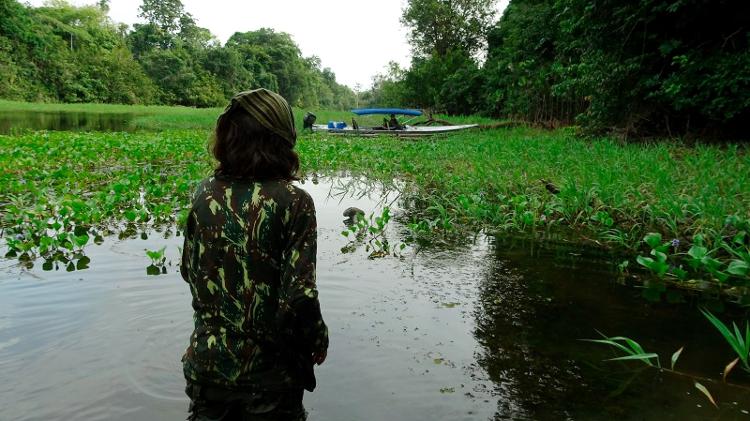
x: 438, y: 26
x: 65, y: 53
x: 636, y: 68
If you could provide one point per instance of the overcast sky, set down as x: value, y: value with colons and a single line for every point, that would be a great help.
x: 355, y: 38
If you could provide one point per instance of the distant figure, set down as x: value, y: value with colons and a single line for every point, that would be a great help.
x: 308, y: 121
x: 393, y: 123
x: 249, y: 258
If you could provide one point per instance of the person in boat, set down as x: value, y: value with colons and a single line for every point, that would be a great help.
x: 249, y: 257
x: 393, y: 123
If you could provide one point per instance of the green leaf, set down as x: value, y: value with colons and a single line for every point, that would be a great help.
x: 653, y: 239
x: 646, y: 358
x: 710, y: 263
x: 697, y: 252
x: 130, y: 215
x: 82, y: 240
x: 645, y: 261
x: 610, y: 343
x: 738, y: 268
x: 660, y: 257
x: 726, y: 333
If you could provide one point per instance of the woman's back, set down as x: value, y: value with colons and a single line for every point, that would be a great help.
x: 249, y: 253
x: 249, y: 257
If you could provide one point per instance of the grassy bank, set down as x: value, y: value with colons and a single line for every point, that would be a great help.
x: 157, y: 118
x: 518, y: 180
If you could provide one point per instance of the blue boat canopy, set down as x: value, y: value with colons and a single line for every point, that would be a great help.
x: 401, y: 111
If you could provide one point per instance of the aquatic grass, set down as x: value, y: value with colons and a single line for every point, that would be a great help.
x: 610, y: 193
x: 633, y: 351
x: 739, y: 342
x: 605, y: 192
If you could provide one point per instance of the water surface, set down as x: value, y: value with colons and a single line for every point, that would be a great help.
x: 484, y: 330
x: 11, y: 121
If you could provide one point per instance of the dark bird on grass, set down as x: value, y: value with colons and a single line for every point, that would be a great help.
x: 549, y: 186
x: 308, y: 121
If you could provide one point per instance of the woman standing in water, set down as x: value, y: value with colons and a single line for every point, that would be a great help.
x: 249, y: 257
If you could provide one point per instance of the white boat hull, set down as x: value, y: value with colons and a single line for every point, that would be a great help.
x: 407, y: 131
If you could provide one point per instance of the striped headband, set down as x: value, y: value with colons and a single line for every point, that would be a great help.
x: 270, y: 110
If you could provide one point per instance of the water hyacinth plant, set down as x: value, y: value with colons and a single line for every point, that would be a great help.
x: 727, y: 261
x: 370, y: 232
x: 158, y: 261
x: 520, y: 181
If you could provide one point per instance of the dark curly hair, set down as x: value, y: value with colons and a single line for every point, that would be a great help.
x: 248, y: 151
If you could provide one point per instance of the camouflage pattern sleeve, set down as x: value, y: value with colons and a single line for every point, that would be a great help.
x: 298, y: 273
x: 187, y: 246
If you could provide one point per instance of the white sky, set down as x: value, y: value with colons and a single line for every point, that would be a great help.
x: 355, y: 38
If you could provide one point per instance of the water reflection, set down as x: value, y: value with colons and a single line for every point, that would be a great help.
x: 487, y: 329
x: 12, y: 121
x: 534, y: 304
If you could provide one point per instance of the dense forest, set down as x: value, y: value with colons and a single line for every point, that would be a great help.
x: 632, y: 67
x: 63, y: 53
x: 635, y: 68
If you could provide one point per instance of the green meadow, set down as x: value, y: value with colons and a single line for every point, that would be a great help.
x: 678, y: 211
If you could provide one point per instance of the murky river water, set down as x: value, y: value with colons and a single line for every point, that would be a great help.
x: 487, y: 330
x: 70, y: 121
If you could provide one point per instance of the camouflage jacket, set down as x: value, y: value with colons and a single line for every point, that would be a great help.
x: 249, y: 257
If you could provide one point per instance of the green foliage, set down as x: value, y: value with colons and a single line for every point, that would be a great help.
x: 167, y: 15
x: 449, y: 83
x: 610, y: 194
x: 727, y: 262
x: 634, y: 68
x: 387, y: 88
x: 439, y: 26
x: 158, y: 261
x: 739, y: 342
x: 371, y: 232
x: 63, y: 53
x: 632, y: 350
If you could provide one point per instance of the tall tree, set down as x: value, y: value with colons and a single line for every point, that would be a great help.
x: 438, y: 26
x: 281, y: 56
x: 168, y: 15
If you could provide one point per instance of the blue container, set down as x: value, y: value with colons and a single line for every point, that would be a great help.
x: 340, y: 125
x: 331, y: 125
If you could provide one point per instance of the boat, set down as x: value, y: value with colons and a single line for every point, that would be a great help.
x: 392, y: 127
